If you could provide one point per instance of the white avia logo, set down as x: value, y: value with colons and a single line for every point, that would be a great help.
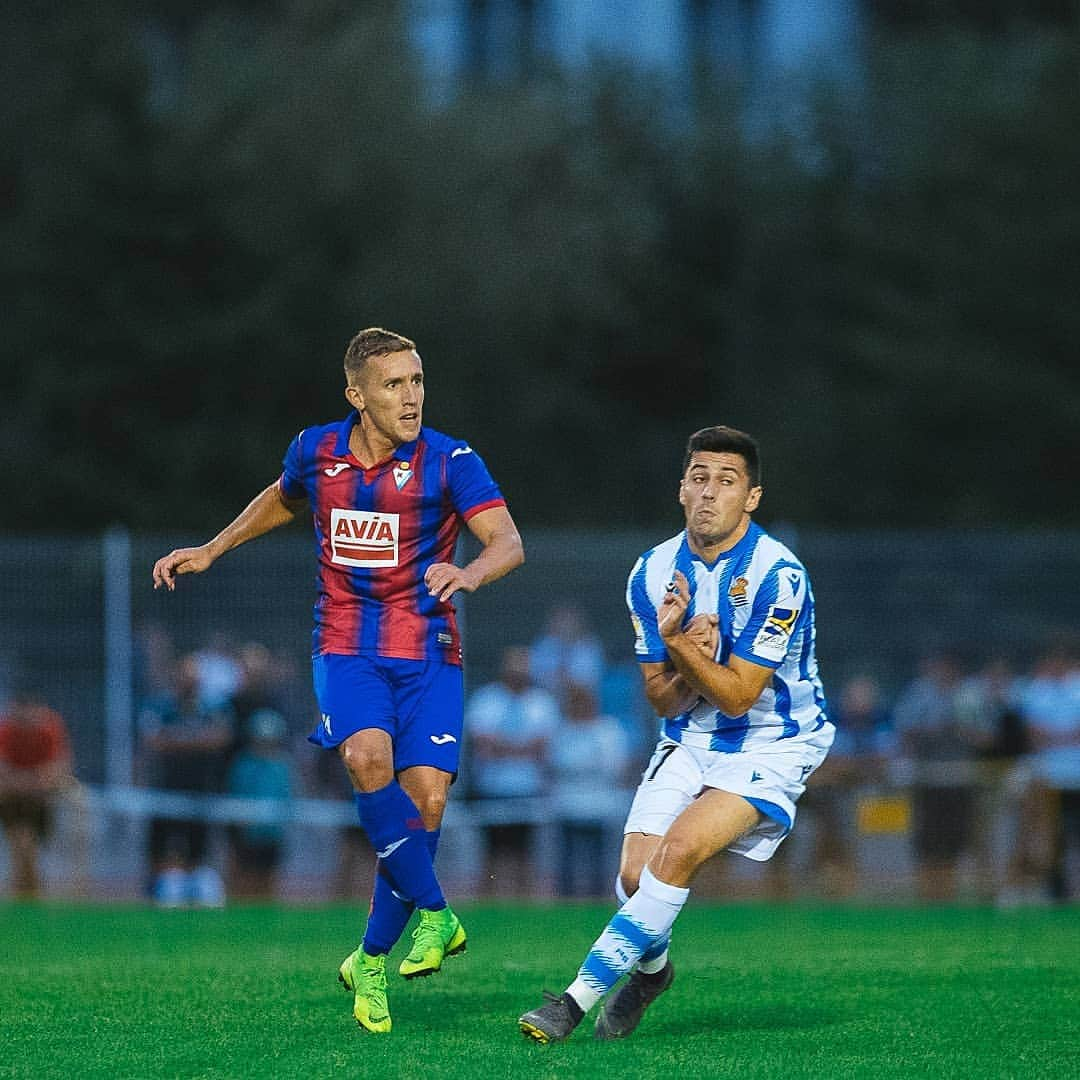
x: 391, y: 848
x: 341, y: 466
x: 461, y: 450
x: 442, y: 740
x: 363, y: 538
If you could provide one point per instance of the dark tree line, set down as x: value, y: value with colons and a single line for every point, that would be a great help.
x: 880, y: 283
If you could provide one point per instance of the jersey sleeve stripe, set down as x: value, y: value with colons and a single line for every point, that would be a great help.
x: 480, y: 507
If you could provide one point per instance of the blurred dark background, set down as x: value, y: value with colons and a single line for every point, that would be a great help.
x: 850, y: 228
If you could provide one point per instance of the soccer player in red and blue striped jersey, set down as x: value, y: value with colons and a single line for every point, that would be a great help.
x: 388, y: 498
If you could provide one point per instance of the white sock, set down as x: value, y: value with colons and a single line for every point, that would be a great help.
x: 640, y: 923
x: 655, y: 957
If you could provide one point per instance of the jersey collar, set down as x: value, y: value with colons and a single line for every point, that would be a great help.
x: 748, y: 541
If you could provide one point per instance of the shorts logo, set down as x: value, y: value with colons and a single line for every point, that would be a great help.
x: 755, y: 776
x: 442, y: 740
x: 326, y: 723
x: 363, y: 538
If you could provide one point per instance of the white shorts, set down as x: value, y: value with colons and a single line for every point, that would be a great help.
x: 770, y: 778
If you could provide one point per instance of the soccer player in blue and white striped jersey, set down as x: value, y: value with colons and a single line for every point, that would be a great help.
x: 724, y: 620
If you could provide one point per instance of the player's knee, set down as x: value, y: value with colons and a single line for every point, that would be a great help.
x: 677, y: 858
x: 367, y: 766
x: 431, y: 805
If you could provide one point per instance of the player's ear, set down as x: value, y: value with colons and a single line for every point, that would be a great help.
x: 354, y: 397
x: 682, y: 492
x: 753, y: 499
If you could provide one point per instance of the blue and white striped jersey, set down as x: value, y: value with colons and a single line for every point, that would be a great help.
x: 762, y: 595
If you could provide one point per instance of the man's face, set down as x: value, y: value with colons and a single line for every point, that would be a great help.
x: 715, y: 493
x: 390, y: 392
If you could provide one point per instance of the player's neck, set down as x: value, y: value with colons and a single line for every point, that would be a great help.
x: 709, y: 549
x: 368, y: 446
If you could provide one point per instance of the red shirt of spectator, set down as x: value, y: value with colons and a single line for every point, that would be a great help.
x: 32, y: 736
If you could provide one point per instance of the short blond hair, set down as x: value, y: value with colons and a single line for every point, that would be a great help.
x: 374, y: 341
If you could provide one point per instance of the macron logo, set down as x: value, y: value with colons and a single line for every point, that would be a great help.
x: 755, y: 777
x: 326, y: 723
x: 442, y: 740
x: 341, y: 466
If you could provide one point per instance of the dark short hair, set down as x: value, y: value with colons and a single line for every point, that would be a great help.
x: 374, y: 341
x: 727, y: 440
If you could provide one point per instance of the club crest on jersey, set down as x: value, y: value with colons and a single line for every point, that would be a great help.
x: 363, y: 538
x: 402, y: 472
x: 737, y: 592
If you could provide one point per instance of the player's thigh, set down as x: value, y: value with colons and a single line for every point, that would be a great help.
x: 430, y: 703
x: 671, y: 781
x: 354, y: 695
x: 711, y: 823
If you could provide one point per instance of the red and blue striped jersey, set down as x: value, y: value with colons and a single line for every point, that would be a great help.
x: 377, y: 531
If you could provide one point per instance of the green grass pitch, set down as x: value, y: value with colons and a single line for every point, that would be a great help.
x: 760, y: 991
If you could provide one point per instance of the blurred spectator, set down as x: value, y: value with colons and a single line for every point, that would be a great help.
x: 943, y: 753
x: 986, y: 706
x: 185, y: 744
x: 154, y: 660
x: 35, y: 767
x: 256, y: 690
x: 1046, y: 856
x: 509, y: 725
x: 622, y: 695
x: 261, y: 770
x: 257, y: 687
x: 591, y: 759
x: 568, y: 651
x: 220, y: 672
x: 864, y: 744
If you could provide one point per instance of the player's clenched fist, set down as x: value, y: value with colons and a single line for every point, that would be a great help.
x: 669, y: 619
x: 704, y: 632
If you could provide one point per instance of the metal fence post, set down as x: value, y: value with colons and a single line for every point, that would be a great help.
x: 116, y: 569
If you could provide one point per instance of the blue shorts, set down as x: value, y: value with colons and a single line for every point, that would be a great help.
x: 420, y: 703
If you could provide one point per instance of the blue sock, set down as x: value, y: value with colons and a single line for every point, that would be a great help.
x: 390, y: 912
x: 396, y: 831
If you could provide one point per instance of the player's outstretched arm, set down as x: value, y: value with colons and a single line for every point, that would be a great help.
x: 732, y: 687
x: 266, y: 511
x: 502, y: 551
